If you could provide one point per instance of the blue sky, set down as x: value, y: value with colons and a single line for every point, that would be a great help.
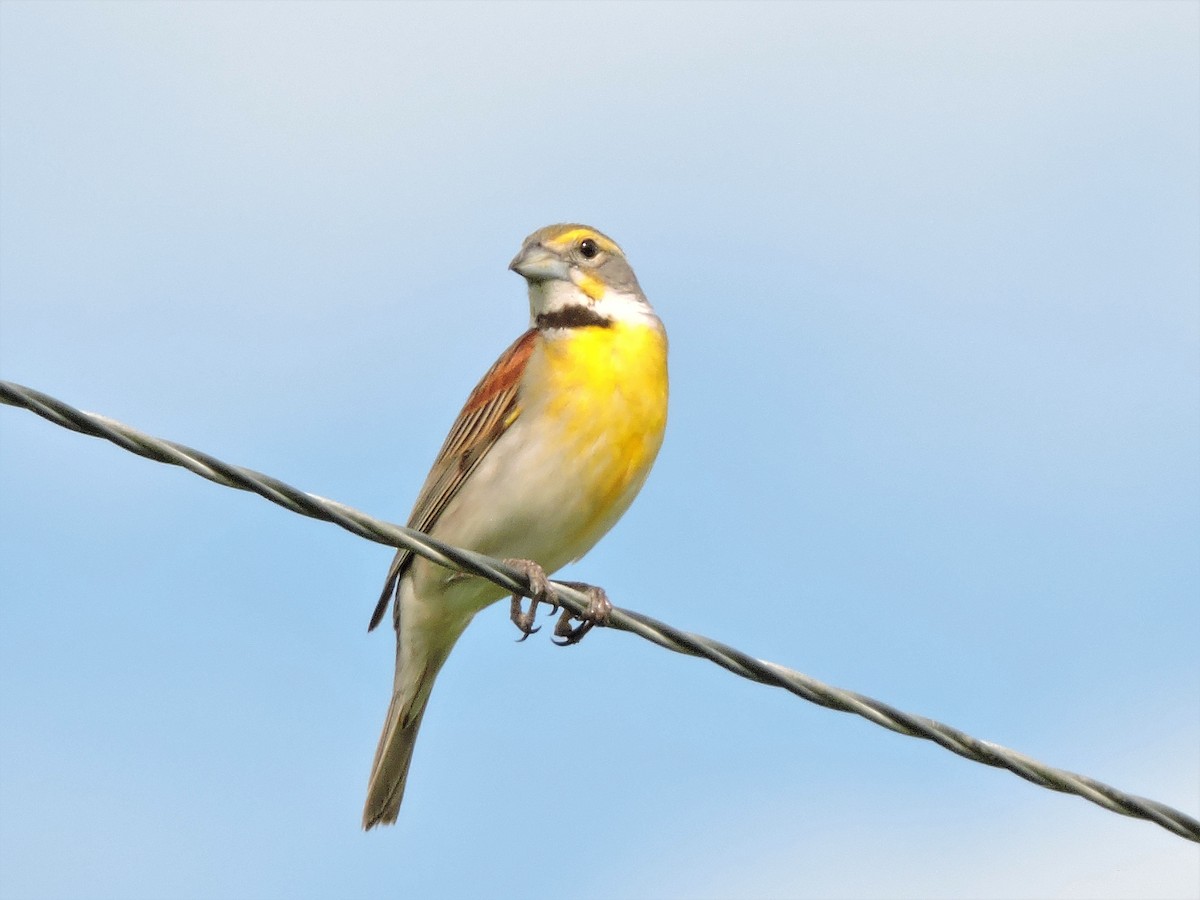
x: 931, y: 276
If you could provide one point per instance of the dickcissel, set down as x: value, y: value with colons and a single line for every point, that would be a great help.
x: 548, y: 452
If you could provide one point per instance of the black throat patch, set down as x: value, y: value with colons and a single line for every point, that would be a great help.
x: 572, y: 317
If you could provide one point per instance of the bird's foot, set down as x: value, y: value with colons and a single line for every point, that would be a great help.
x: 597, y: 612
x: 539, y: 592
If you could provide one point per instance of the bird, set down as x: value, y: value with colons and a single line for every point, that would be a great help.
x: 546, y: 455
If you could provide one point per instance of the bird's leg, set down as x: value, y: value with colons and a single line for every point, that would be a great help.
x: 539, y: 592
x: 596, y: 614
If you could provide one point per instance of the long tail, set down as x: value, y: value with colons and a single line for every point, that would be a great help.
x: 418, y: 661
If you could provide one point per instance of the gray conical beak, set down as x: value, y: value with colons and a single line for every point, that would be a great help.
x: 536, y: 263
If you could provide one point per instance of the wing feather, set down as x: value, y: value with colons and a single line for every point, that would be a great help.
x: 490, y: 409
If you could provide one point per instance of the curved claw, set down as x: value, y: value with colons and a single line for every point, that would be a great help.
x: 523, y: 620
x: 568, y: 634
x: 539, y: 592
x: 596, y: 614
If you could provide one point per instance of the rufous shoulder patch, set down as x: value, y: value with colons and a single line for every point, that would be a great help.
x: 504, y: 374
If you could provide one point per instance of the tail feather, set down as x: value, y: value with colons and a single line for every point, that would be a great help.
x: 390, y: 769
x: 420, y: 653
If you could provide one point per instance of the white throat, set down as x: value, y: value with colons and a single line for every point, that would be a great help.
x: 556, y: 295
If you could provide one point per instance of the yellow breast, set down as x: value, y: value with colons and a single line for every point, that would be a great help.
x: 604, y: 391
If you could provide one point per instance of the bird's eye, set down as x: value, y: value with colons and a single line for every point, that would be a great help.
x: 588, y: 248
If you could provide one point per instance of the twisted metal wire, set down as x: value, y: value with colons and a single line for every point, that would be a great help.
x: 664, y: 635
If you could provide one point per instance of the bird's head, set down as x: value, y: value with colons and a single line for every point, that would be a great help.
x: 576, y: 271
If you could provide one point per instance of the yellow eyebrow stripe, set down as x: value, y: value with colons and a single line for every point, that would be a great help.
x: 575, y: 234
